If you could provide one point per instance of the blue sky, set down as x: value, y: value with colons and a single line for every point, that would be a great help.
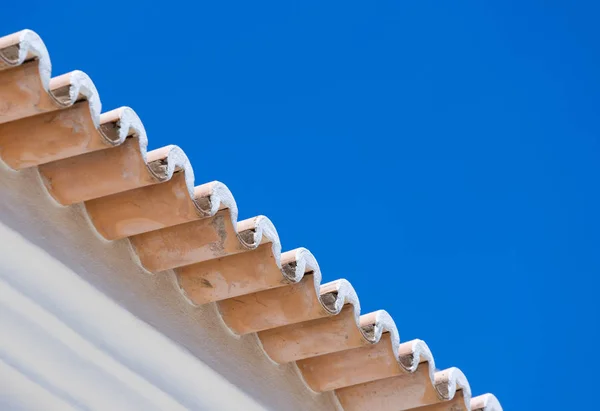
x: 443, y: 158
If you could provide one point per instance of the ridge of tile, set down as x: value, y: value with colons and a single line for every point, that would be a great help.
x: 485, y: 402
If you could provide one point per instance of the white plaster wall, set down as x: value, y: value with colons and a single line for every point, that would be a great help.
x: 70, y: 270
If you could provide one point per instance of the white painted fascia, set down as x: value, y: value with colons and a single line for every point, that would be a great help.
x: 64, y: 345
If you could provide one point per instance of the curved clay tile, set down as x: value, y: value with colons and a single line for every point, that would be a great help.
x: 149, y: 198
x: 485, y: 402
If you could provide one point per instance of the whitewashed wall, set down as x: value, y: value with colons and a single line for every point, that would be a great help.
x: 83, y: 326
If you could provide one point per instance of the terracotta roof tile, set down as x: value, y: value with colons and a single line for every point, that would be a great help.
x: 100, y: 159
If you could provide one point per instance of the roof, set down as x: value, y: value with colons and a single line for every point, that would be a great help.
x: 148, y: 197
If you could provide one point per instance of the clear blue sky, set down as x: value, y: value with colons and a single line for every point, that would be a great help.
x: 443, y: 158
